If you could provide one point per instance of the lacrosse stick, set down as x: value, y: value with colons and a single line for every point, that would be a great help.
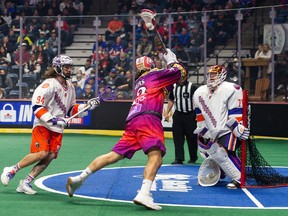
x: 148, y: 17
x: 107, y: 94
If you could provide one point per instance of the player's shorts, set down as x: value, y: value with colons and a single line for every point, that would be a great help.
x: 142, y: 132
x: 45, y: 140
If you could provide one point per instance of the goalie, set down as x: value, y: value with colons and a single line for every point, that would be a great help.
x: 218, y: 107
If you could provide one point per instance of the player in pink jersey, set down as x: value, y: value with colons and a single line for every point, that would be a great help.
x: 143, y: 129
x: 52, y: 101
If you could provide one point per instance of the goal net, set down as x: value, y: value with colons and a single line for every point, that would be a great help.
x: 255, y: 170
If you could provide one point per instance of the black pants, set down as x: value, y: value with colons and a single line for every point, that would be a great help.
x: 183, y: 126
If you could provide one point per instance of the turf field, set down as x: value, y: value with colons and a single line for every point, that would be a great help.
x: 77, y: 152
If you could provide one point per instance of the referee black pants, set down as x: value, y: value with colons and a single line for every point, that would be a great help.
x: 183, y: 126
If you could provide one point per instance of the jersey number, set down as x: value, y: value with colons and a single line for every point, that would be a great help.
x: 40, y: 100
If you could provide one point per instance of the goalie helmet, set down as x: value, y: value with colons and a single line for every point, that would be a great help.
x: 59, y: 62
x: 216, y: 75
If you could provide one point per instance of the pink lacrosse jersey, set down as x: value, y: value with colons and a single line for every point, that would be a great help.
x: 150, y: 91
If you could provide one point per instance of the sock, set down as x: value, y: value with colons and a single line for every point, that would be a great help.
x: 16, y: 167
x: 146, y: 186
x: 29, y: 179
x: 87, y: 172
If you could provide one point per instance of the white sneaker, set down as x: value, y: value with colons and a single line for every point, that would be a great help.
x: 233, y: 185
x: 26, y: 188
x: 7, y: 174
x: 73, y: 183
x: 146, y: 200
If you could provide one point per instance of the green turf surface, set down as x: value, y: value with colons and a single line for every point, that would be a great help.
x: 76, y: 153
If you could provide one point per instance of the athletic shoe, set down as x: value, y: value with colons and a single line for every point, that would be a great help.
x: 146, y: 200
x: 233, y: 185
x: 25, y: 187
x: 7, y: 174
x: 73, y: 183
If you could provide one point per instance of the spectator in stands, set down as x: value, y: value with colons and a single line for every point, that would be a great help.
x: 41, y: 56
x: 221, y: 28
x: 26, y: 39
x: 7, y: 17
x: 101, y: 43
x: 27, y: 11
x: 124, y: 90
x: 10, y: 7
x: 116, y: 48
x: 196, y: 43
x: 54, y: 42
x: 33, y: 67
x: 5, y: 58
x: 6, y: 84
x: 12, y: 39
x: 63, y: 4
x: 178, y: 25
x: 25, y: 55
x: 66, y: 33
x: 129, y: 49
x: 79, y: 7
x: 9, y: 47
x: 122, y: 63
x: 114, y: 27
x: 105, y: 65
x: 88, y: 92
x: 15, y: 24
x: 87, y: 68
x: 47, y: 49
x: 182, y: 55
x: 145, y: 47
x: 78, y: 89
x: 183, y: 38
x: 4, y: 28
x: 113, y: 80
x: 80, y: 77
x: 41, y: 41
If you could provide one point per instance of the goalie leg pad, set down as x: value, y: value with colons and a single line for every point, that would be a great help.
x: 230, y: 164
x: 202, y: 147
x: 209, y: 173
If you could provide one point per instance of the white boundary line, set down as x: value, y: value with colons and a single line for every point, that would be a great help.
x: 39, y: 184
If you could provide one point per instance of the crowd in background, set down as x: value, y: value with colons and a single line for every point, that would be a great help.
x: 115, y: 47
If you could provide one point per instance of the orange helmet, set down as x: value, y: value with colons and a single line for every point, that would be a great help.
x: 216, y: 75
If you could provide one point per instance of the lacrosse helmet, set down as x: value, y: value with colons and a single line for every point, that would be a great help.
x: 216, y: 75
x: 59, y: 62
x: 144, y: 64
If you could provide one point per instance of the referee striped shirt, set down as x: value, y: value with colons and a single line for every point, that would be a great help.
x: 182, y: 95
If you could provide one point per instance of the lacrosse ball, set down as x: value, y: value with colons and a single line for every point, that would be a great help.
x: 150, y: 26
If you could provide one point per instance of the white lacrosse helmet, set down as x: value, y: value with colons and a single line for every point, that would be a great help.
x: 60, y: 61
x: 144, y: 63
x: 216, y: 75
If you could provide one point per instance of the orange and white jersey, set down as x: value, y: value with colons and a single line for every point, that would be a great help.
x: 213, y: 109
x: 51, y: 99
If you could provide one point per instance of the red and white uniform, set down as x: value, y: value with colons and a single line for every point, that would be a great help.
x: 213, y: 109
x: 51, y: 99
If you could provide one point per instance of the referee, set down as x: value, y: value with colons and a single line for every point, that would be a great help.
x: 184, y: 120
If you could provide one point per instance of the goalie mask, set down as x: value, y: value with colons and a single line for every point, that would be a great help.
x: 144, y: 64
x: 62, y: 65
x: 216, y: 75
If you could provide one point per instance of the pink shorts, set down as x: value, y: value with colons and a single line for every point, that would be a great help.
x: 142, y: 132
